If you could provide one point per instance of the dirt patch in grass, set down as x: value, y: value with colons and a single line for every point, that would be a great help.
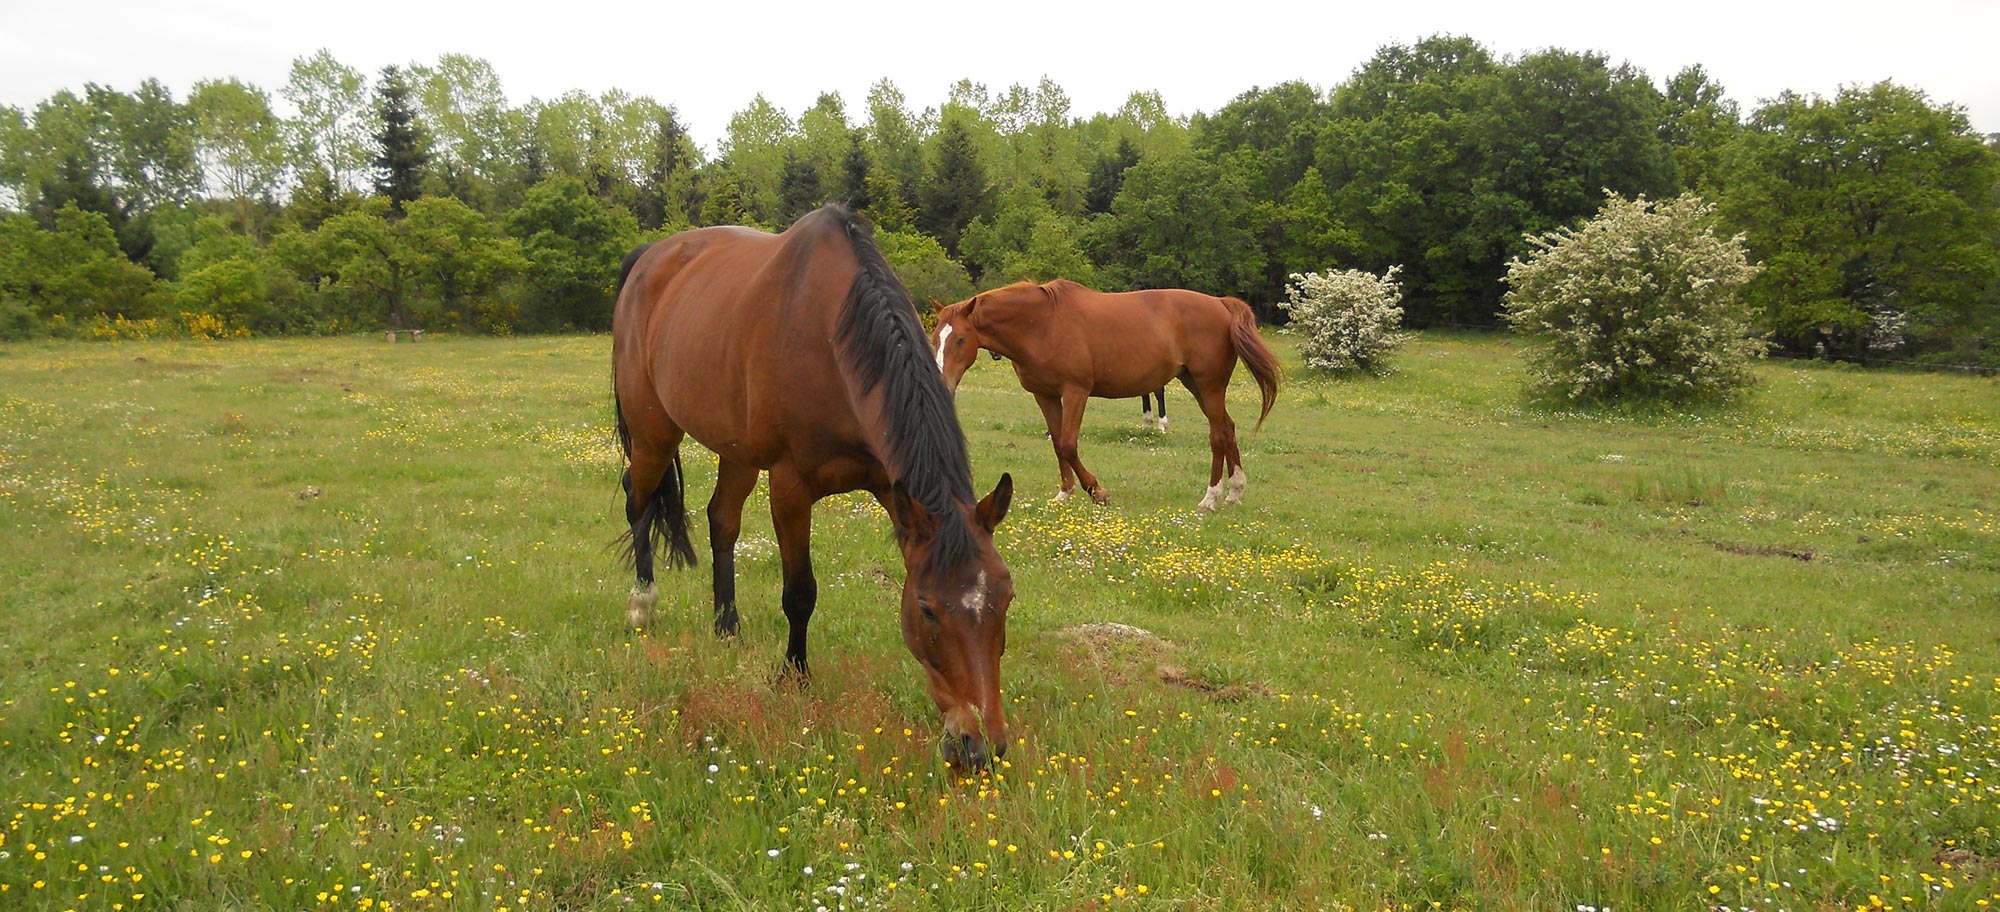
x: 1220, y: 688
x: 1797, y: 554
x: 174, y: 367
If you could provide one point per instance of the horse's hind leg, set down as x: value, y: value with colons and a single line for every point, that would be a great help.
x: 1146, y: 409
x: 1221, y: 446
x: 791, y: 519
x: 733, y: 483
x: 1162, y: 397
x: 652, y: 484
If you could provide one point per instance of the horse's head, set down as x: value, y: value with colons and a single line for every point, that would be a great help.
x: 955, y: 617
x: 957, y: 341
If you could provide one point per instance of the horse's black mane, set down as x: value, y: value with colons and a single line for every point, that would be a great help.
x: 884, y: 346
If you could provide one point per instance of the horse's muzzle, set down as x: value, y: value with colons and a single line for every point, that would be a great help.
x: 970, y: 752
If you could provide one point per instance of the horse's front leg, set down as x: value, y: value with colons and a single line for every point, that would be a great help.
x: 733, y: 484
x: 1052, y: 413
x: 1072, y: 427
x: 791, y: 518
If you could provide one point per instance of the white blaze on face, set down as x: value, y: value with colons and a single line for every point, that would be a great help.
x: 944, y: 334
x: 975, y: 601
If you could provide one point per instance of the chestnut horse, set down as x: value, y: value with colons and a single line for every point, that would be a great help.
x: 799, y: 354
x: 1068, y: 343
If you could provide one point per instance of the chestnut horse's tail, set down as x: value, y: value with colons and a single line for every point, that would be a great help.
x: 665, y: 509
x: 1257, y: 356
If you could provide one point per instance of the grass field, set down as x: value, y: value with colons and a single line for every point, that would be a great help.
x: 336, y: 624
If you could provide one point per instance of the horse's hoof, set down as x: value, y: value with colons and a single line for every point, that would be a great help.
x: 1102, y: 499
x: 1062, y: 495
x: 1163, y: 425
x: 725, y: 624
x: 639, y: 607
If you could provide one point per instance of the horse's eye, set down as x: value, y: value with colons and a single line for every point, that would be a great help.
x: 929, y: 615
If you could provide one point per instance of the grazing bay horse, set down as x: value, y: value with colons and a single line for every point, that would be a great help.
x: 1068, y: 343
x: 800, y: 355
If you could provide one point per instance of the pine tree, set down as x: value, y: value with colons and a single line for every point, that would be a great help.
x: 399, y: 167
x: 854, y: 168
x: 660, y: 203
x: 798, y: 187
x: 955, y: 189
x: 1108, y: 176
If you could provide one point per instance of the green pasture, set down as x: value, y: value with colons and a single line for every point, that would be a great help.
x: 338, y: 624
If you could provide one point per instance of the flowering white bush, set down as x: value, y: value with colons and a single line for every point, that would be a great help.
x: 1641, y: 302
x: 1349, y: 318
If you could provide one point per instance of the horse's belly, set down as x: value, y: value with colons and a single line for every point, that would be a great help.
x: 1130, y: 383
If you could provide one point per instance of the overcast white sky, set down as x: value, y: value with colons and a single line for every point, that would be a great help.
x: 709, y: 59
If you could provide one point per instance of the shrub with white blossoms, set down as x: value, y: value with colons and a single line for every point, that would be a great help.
x: 1349, y: 319
x: 1641, y: 302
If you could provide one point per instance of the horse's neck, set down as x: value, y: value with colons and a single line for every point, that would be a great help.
x: 1000, y: 339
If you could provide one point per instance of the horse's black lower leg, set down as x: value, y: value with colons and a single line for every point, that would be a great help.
x: 725, y: 588
x: 639, y: 513
x: 733, y: 484
x: 642, y: 532
x: 801, y: 594
x: 791, y: 520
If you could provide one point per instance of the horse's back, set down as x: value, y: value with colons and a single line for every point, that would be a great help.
x: 718, y: 327
x: 1142, y: 339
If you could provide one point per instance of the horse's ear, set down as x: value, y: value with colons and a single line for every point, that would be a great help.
x: 993, y: 509
x: 935, y: 305
x: 912, y: 521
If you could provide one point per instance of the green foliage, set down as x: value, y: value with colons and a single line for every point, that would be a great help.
x: 1107, y: 176
x: 461, y: 259
x: 1026, y: 239
x: 930, y: 274
x: 463, y: 111
x: 798, y: 188
x: 1874, y: 213
x: 368, y: 265
x: 232, y: 290
x: 1180, y: 221
x: 1443, y: 157
x: 330, y: 135
x: 573, y: 244
x: 1641, y: 303
x: 1871, y: 211
x: 237, y: 139
x: 17, y: 322
x: 1700, y: 125
x: 956, y: 189
x: 668, y: 193
x: 754, y: 152
x: 71, y: 271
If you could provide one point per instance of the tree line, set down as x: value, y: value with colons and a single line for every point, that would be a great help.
x: 420, y: 197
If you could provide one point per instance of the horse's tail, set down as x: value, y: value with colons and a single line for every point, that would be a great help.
x: 1257, y: 356
x: 666, y: 510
